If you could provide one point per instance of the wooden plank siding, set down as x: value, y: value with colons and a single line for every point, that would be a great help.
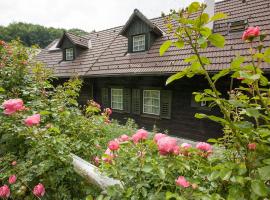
x: 182, y: 122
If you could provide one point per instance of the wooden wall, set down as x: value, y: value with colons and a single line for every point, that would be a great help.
x: 182, y: 122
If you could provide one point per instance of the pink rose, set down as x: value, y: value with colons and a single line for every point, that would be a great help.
x: 109, y: 156
x: 113, y: 145
x: 166, y: 145
x: 14, y: 163
x: 96, y: 160
x: 108, y: 111
x: 181, y: 181
x: 186, y: 145
x: 159, y: 136
x: 39, y: 190
x: 4, y: 191
x: 251, y: 146
x: 32, y: 120
x: 250, y: 33
x: 203, y: 146
x: 12, y: 179
x: 176, y: 150
x: 124, y: 138
x: 13, y: 105
x: 140, y: 135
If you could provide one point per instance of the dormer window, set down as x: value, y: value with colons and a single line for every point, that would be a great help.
x: 139, y: 43
x: 69, y: 54
x: 237, y: 26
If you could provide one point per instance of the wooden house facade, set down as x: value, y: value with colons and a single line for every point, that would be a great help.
x: 122, y: 69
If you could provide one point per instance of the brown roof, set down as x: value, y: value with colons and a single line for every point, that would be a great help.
x: 108, y: 54
x: 75, y: 39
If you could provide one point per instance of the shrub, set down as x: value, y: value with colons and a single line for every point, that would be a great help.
x: 41, y: 125
x: 239, y: 167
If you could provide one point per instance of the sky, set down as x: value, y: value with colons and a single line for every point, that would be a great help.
x: 84, y: 14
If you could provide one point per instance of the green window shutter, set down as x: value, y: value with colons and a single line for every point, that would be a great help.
x: 130, y: 44
x: 136, y: 101
x: 105, y: 97
x: 165, y: 104
x: 127, y: 100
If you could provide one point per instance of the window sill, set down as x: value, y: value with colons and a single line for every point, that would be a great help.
x: 118, y: 111
x: 150, y: 116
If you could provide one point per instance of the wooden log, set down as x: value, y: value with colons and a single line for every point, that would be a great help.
x: 92, y: 174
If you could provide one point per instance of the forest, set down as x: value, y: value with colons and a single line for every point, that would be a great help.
x: 33, y: 34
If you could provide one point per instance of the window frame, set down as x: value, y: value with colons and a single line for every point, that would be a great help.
x: 122, y: 103
x: 143, y: 103
x: 73, y: 54
x: 133, y: 43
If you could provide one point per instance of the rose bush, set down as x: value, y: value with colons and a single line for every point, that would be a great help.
x: 41, y: 125
x: 239, y: 165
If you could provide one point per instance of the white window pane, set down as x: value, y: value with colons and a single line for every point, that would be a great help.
x: 117, y: 99
x: 139, y: 43
x: 151, y: 102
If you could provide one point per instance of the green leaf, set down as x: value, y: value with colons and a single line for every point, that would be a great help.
x: 89, y: 197
x: 220, y: 74
x: 225, y: 174
x: 218, y: 16
x: 264, y: 173
x: 217, y: 40
x: 267, y: 55
x: 2, y: 89
x: 204, y: 18
x: 176, y: 77
x: 174, y: 196
x: 259, y: 188
x: 164, y: 47
x: 237, y: 62
x: 214, y: 175
x: 205, y: 31
x: 252, y: 112
x: 179, y: 44
x: 147, y: 168
x: 193, y: 7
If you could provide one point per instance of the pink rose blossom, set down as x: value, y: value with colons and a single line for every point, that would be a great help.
x: 124, y: 138
x: 166, y: 145
x: 32, y: 120
x: 181, y: 181
x: 12, y: 179
x: 186, y: 145
x: 203, y: 146
x: 159, y: 136
x: 251, y: 32
x: 4, y: 191
x: 140, y: 135
x: 14, y: 163
x: 113, y: 145
x: 13, y: 105
x: 108, y: 111
x: 39, y: 190
x: 96, y: 160
x: 251, y: 146
x: 109, y: 156
x: 176, y: 150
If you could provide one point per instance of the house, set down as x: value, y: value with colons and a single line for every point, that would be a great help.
x: 122, y: 69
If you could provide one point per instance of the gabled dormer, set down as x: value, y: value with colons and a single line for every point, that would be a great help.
x: 141, y: 32
x: 72, y: 45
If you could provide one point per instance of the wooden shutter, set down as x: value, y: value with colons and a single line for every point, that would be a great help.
x: 127, y: 99
x: 105, y: 97
x: 136, y: 101
x: 165, y: 104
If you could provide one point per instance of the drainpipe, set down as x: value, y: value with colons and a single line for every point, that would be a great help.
x: 210, y: 10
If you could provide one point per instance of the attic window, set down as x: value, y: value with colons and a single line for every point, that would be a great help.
x: 69, y: 54
x: 237, y: 26
x: 138, y: 43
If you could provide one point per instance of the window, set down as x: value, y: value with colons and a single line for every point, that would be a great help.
x: 117, y: 99
x: 237, y: 26
x: 69, y: 54
x: 138, y: 43
x: 151, y: 102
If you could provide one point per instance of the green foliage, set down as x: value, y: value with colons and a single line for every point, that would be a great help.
x: 32, y: 34
x: 42, y: 152
x: 239, y: 167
